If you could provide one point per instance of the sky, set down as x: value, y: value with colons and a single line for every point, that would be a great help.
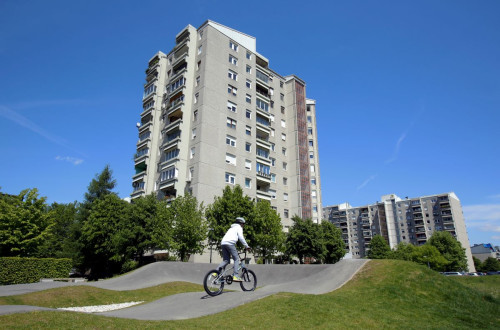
x: 407, y: 92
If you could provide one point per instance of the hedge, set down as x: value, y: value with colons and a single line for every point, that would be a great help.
x: 15, y: 270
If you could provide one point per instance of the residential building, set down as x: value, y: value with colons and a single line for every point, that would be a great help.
x: 410, y: 220
x: 216, y: 114
x: 485, y: 251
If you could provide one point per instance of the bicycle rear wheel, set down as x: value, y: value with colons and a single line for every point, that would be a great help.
x: 212, y: 283
x: 249, y: 282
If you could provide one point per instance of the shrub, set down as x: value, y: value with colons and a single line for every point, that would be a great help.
x: 15, y: 270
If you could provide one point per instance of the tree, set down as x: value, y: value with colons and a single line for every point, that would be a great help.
x: 450, y: 249
x: 430, y: 256
x: 103, y: 236
x: 490, y: 265
x: 379, y: 248
x: 62, y: 241
x: 269, y: 237
x: 304, y: 239
x: 225, y: 209
x: 333, y: 243
x: 100, y: 186
x: 25, y: 223
x: 477, y: 264
x: 403, y: 251
x: 189, y: 226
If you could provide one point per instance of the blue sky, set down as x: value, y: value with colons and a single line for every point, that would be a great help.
x: 408, y: 92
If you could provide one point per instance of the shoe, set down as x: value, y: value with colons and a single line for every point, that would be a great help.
x: 237, y: 279
x: 214, y: 274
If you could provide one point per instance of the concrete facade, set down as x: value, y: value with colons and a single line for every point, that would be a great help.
x: 485, y: 251
x: 216, y: 114
x: 409, y: 220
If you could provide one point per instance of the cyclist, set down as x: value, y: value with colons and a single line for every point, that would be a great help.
x: 228, y: 245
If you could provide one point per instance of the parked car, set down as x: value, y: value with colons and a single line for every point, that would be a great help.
x: 452, y: 273
x: 496, y: 272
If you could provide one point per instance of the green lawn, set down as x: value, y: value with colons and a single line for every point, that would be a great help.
x: 384, y: 294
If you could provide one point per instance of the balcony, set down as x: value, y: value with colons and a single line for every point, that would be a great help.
x: 445, y: 205
x: 266, y: 177
x: 263, y: 194
x: 447, y: 219
x: 179, y: 70
x: 173, y: 125
x: 263, y: 142
x: 141, y: 157
x: 144, y: 126
x: 171, y: 140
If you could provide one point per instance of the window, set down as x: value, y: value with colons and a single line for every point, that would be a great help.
x: 200, y: 49
x: 262, y: 76
x: 263, y: 169
x: 233, y: 46
x: 231, y: 141
x: 231, y: 123
x: 285, y: 213
x: 273, y: 146
x: 273, y: 161
x: 283, y: 136
x: 198, y: 81
x: 262, y: 105
x: 281, y: 84
x: 312, y: 169
x: 283, y: 123
x: 233, y: 60
x: 311, y: 143
x: 198, y: 65
x: 272, y: 192
x: 249, y: 69
x: 309, y: 119
x: 248, y: 98
x: 171, y: 154
x: 271, y: 117
x: 311, y: 154
x: 313, y: 181
x: 310, y: 131
x: 248, y: 183
x: 273, y: 177
x: 272, y: 131
x: 230, y: 178
x: 249, y: 55
x: 248, y: 164
x: 168, y: 174
x: 231, y: 106
x: 248, y: 114
x: 231, y: 159
x: 193, y: 133
x: 285, y: 181
x: 248, y: 130
x: 315, y: 209
x: 232, y: 75
x: 232, y: 90
x: 248, y: 147
x: 283, y: 110
x: 248, y: 83
x: 192, y: 153
x: 285, y: 165
x: 285, y: 197
x: 196, y: 97
x: 283, y: 151
x: 313, y: 194
x: 191, y: 174
x: 282, y: 96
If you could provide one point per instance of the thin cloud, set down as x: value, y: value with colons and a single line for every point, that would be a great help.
x: 396, y: 149
x: 497, y: 196
x: 46, y: 103
x: 72, y: 160
x: 484, y: 218
x: 361, y: 186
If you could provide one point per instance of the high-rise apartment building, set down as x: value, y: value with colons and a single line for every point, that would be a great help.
x: 398, y: 220
x: 215, y: 114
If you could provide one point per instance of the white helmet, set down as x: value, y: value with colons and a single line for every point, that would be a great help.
x: 240, y: 220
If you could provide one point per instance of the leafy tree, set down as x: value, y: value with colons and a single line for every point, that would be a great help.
x: 304, y: 239
x: 269, y: 237
x: 403, y: 251
x: 25, y: 223
x: 490, y: 265
x: 379, y: 248
x: 189, y: 226
x: 450, y: 249
x: 62, y: 241
x: 103, y: 236
x: 225, y: 209
x: 477, y: 264
x: 333, y: 243
x: 429, y: 255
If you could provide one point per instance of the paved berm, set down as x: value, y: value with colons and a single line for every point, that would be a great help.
x: 307, y: 279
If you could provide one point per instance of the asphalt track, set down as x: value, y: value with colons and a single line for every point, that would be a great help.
x: 306, y: 279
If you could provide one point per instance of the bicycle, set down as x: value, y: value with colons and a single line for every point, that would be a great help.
x: 214, y: 280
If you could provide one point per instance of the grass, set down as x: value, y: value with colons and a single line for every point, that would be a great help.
x: 384, y: 294
x: 77, y: 296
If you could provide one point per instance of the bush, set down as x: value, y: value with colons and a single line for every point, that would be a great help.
x: 15, y: 270
x: 129, y: 266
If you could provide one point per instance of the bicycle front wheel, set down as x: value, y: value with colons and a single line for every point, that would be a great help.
x: 249, y: 282
x: 213, y: 283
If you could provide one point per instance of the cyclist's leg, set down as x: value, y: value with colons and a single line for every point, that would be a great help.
x: 225, y: 257
x: 236, y: 258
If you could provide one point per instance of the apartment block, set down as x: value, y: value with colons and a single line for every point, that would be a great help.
x: 409, y: 220
x: 215, y: 114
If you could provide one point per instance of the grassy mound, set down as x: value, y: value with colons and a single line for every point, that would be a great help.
x: 384, y: 294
